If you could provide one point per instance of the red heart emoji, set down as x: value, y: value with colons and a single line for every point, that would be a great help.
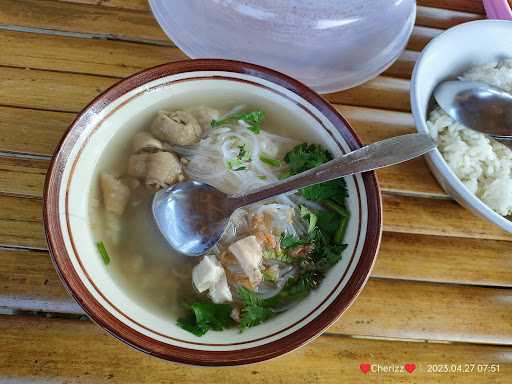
x: 410, y: 367
x: 364, y: 367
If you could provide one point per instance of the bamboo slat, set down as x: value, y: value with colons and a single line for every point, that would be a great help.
x: 78, y: 352
x: 29, y: 282
x: 403, y: 67
x: 444, y: 259
x: 373, y: 125
x: 31, y: 131
x: 412, y: 178
x: 436, y: 217
x: 70, y: 92
x: 129, y: 24
x: 22, y: 176
x: 443, y: 18
x: 55, y: 91
x: 382, y: 92
x: 21, y: 222
x: 472, y: 6
x: 110, y: 57
x: 421, y: 36
x: 394, y: 308
x: 139, y: 5
x: 81, y: 18
x: 72, y: 54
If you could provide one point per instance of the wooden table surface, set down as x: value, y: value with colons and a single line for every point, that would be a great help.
x: 439, y: 293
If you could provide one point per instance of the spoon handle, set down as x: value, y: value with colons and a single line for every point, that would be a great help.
x: 373, y: 156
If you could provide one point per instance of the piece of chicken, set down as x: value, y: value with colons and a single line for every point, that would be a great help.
x: 115, y: 194
x: 144, y: 142
x: 159, y: 169
x: 163, y: 169
x: 209, y: 275
x: 249, y: 255
x: 177, y: 127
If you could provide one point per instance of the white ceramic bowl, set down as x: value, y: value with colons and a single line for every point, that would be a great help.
x: 129, y: 106
x: 445, y: 57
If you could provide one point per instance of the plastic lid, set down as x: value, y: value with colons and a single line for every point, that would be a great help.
x: 328, y: 44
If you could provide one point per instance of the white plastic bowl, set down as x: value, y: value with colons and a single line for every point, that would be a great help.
x: 446, y: 57
x: 329, y: 45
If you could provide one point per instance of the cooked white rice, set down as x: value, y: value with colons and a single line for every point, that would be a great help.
x: 482, y: 164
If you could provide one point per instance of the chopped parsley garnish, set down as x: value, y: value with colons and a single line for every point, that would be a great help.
x: 330, y: 190
x: 253, y: 119
x: 270, y: 161
x: 289, y: 241
x: 306, y: 156
x: 306, y: 214
x: 204, y: 316
x: 272, y: 254
x: 270, y: 275
x: 239, y: 163
x: 103, y: 252
x: 254, y: 310
x: 236, y: 165
x: 243, y: 153
x: 257, y: 310
x: 331, y: 194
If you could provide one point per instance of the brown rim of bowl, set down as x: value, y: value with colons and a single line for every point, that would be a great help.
x: 121, y: 331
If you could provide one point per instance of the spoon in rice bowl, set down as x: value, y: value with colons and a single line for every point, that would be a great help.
x: 478, y: 106
x: 192, y: 216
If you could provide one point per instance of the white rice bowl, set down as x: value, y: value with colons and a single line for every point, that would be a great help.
x: 481, y: 163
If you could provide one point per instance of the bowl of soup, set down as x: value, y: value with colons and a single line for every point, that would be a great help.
x: 284, y: 270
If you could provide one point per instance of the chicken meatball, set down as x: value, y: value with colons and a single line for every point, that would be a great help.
x: 163, y: 169
x: 178, y: 127
x: 204, y: 115
x: 115, y: 194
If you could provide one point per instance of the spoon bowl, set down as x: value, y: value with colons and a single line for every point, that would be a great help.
x: 478, y: 106
x: 192, y: 216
